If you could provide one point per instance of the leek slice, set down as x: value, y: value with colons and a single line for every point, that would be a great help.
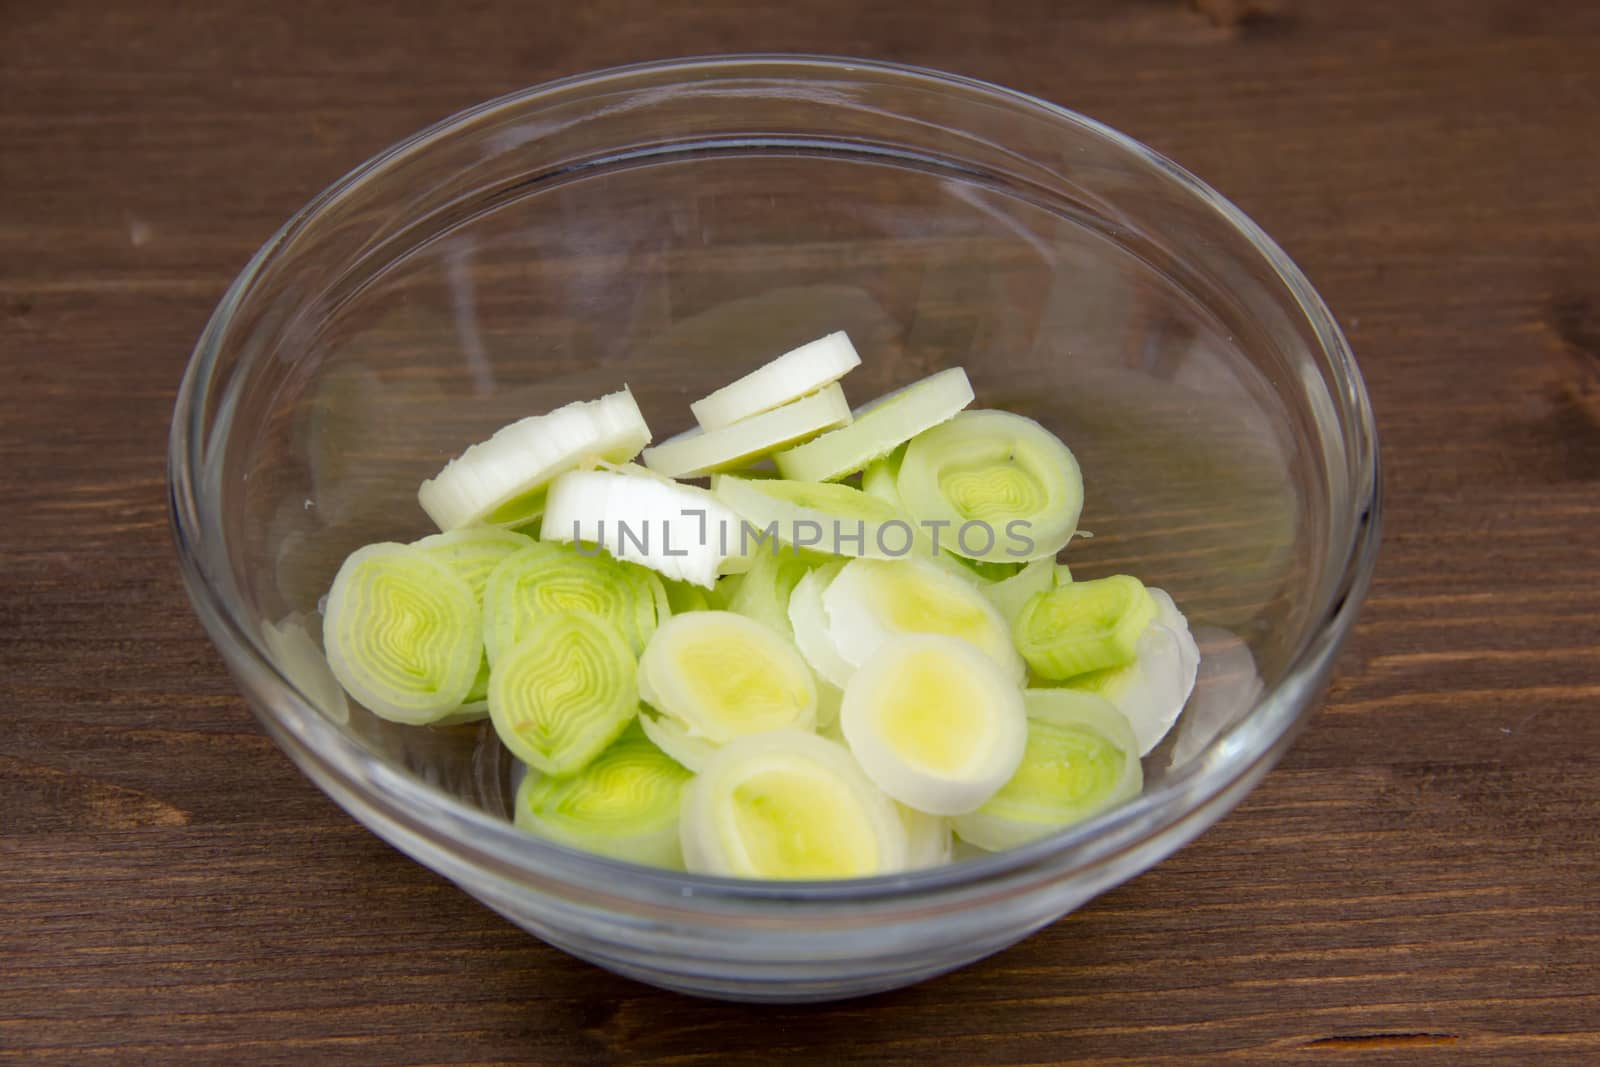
x: 564, y: 692
x: 929, y: 840
x: 682, y: 597
x: 878, y: 477
x: 793, y: 375
x: 624, y: 804
x: 874, y: 600
x: 295, y: 651
x: 698, y: 451
x: 722, y: 676
x: 826, y: 518
x: 1152, y: 690
x: 763, y: 593
x: 879, y: 428
x: 1010, y: 594
x: 934, y: 723
x: 1083, y: 626
x: 546, y: 578
x: 680, y: 531
x: 473, y: 552
x: 403, y: 633
x: 812, y: 634
x: 786, y: 805
x: 1081, y: 758
x: 499, y: 481
x: 1007, y: 488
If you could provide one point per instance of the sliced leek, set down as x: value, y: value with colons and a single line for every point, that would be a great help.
x: 789, y: 805
x: 874, y: 600
x: 683, y: 597
x: 498, y: 481
x: 812, y: 633
x: 624, y: 804
x: 807, y: 516
x: 403, y: 633
x: 680, y: 531
x: 1152, y: 690
x: 699, y: 452
x: 550, y: 578
x: 763, y: 593
x: 879, y: 428
x: 1010, y: 594
x: 878, y: 477
x: 1083, y: 626
x: 299, y: 658
x: 934, y: 723
x: 722, y: 676
x: 1006, y: 489
x: 564, y: 692
x: 929, y: 840
x: 473, y: 552
x: 788, y: 378
x: 1081, y: 758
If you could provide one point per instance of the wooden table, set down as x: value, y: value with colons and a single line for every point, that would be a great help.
x: 1417, y: 883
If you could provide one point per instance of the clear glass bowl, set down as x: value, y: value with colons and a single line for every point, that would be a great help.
x: 670, y: 225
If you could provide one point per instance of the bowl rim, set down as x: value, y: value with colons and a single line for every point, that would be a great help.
x: 487, y: 842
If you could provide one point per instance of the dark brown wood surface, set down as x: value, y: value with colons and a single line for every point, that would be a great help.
x: 1418, y: 882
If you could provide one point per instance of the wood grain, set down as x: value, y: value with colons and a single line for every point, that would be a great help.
x: 1417, y: 883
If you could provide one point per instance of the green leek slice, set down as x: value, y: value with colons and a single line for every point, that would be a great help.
x: 1083, y: 626
x: 403, y: 633
x: 624, y: 804
x: 1081, y: 758
x: 563, y: 692
x: 1006, y: 488
x: 683, y: 597
x: 821, y: 518
x: 878, y: 477
x: 786, y: 805
x: 722, y: 676
x: 934, y: 723
x: 874, y: 600
x: 879, y: 428
x: 1152, y: 690
x: 548, y: 577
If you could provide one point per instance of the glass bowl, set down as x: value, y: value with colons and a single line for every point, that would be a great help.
x: 670, y: 226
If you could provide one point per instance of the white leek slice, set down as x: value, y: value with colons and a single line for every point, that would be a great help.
x: 722, y: 676
x: 698, y: 451
x: 935, y: 723
x: 812, y: 633
x: 929, y: 840
x: 547, y: 578
x: 403, y: 633
x: 788, y: 378
x: 679, y: 531
x: 839, y: 520
x: 625, y: 804
x: 1152, y: 690
x: 299, y: 658
x: 1081, y: 758
x: 1009, y: 594
x: 1083, y: 626
x: 787, y: 805
x: 564, y: 692
x: 494, y: 480
x: 1168, y: 615
x: 874, y: 600
x: 879, y: 428
x: 1007, y: 489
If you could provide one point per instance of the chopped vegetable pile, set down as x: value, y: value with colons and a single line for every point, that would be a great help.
x: 853, y: 644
